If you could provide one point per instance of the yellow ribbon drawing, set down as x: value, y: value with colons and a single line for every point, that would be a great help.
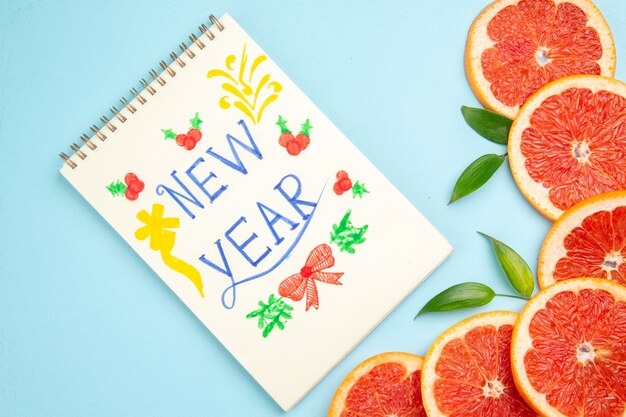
x: 239, y: 86
x: 163, y: 240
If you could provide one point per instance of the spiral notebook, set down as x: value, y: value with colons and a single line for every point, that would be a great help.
x: 257, y: 212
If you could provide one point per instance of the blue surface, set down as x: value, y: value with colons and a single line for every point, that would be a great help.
x: 85, y: 327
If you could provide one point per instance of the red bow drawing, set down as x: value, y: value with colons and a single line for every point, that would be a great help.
x: 294, y: 287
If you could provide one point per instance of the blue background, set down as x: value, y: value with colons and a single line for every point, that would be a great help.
x: 85, y: 327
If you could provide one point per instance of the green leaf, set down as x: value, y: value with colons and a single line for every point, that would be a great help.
x: 343, y: 224
x: 514, y: 266
x: 460, y: 296
x: 306, y: 128
x: 117, y: 188
x: 169, y: 134
x: 282, y: 123
x: 268, y: 329
x: 271, y: 314
x: 490, y: 125
x: 476, y: 175
x: 195, y: 122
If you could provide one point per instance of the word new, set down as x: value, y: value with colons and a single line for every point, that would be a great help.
x: 193, y: 192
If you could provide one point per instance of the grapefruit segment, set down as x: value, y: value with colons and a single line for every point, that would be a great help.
x: 567, y: 350
x: 467, y: 371
x: 589, y: 240
x: 567, y: 142
x: 514, y: 47
x: 384, y: 385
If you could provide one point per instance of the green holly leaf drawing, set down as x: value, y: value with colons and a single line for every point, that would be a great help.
x: 117, y: 188
x: 345, y: 235
x: 274, y: 313
x: 195, y: 122
x: 306, y: 128
x: 358, y: 189
x: 282, y: 123
x: 169, y: 134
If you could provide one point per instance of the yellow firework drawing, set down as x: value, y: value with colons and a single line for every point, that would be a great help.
x: 239, y: 86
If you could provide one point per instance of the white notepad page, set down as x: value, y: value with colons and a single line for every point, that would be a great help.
x: 288, y: 248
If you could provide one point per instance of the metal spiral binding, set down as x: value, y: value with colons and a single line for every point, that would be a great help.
x: 97, y: 132
x: 193, y: 38
x: 176, y: 58
x: 67, y: 160
x: 157, y: 77
x: 108, y: 123
x: 77, y: 151
x: 204, y: 29
x: 116, y: 113
x: 167, y: 68
x: 138, y: 96
x: 148, y: 87
x: 185, y: 50
x: 129, y: 106
x: 87, y: 142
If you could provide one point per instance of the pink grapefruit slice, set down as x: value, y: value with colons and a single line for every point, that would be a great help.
x: 467, y: 371
x: 588, y: 240
x: 568, y: 350
x: 384, y: 385
x: 567, y: 143
x: 514, y: 47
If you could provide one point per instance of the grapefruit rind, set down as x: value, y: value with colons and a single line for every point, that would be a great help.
x: 411, y: 362
x: 553, y: 248
x: 536, y: 193
x: 478, y: 41
x: 429, y: 375
x: 521, y: 341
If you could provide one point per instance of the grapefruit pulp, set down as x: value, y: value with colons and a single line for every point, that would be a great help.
x: 467, y: 371
x: 568, y: 350
x: 567, y: 143
x: 516, y: 46
x: 588, y: 240
x: 384, y: 385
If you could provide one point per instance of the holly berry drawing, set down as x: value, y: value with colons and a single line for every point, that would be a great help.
x: 344, y: 183
x: 294, y: 144
x: 186, y: 140
x: 130, y: 188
